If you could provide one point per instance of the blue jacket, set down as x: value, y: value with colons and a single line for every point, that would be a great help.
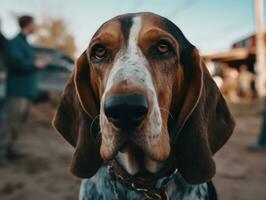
x: 22, y: 80
x: 3, y: 41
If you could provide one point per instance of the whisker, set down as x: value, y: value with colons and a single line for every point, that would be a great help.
x: 94, y: 119
x: 98, y: 137
x: 165, y: 129
x: 170, y: 114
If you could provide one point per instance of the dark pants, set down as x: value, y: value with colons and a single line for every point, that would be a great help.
x: 14, y: 116
x: 262, y: 137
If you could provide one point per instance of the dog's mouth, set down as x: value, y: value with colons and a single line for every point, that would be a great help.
x: 137, y: 142
x: 127, y: 144
x: 124, y: 147
x: 132, y: 142
x: 140, y: 149
x: 133, y: 159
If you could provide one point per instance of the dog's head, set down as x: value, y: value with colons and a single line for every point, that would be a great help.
x: 147, y: 88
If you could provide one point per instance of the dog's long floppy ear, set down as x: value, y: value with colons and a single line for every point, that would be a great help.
x: 74, y: 118
x: 204, y: 122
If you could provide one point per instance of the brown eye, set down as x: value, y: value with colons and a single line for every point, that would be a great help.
x: 163, y: 48
x: 99, y: 52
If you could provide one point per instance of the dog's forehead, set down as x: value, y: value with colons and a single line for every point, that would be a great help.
x: 123, y: 23
x: 120, y: 28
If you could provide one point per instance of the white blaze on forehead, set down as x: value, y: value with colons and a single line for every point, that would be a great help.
x: 134, y: 34
x: 131, y: 64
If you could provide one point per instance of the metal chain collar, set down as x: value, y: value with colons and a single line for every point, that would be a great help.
x: 157, y: 193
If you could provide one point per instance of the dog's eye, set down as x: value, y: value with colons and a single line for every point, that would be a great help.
x: 99, y: 52
x: 163, y: 48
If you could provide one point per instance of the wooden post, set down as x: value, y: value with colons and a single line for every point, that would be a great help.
x: 260, y: 49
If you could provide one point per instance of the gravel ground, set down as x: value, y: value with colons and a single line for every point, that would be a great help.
x: 241, y: 175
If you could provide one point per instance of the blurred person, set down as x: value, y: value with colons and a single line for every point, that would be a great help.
x: 3, y: 41
x: 218, y: 80
x: 261, y: 141
x: 245, y: 82
x: 2, y: 37
x: 230, y: 85
x: 21, y: 86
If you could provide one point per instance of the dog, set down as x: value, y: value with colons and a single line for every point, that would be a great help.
x: 143, y: 113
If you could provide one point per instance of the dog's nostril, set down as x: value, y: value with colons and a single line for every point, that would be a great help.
x: 138, y: 112
x: 126, y: 111
x: 112, y: 112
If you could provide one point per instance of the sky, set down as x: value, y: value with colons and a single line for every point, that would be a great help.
x: 211, y: 25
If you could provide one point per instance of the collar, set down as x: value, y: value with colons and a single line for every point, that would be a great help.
x: 153, y: 187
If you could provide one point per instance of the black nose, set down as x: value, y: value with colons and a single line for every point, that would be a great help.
x: 126, y: 111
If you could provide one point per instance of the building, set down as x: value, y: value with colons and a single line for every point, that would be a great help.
x: 242, y: 52
x: 236, y: 68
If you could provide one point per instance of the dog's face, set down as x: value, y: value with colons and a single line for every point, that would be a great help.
x: 153, y: 96
x: 136, y: 62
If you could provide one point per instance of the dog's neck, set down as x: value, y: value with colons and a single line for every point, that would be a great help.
x: 152, y: 186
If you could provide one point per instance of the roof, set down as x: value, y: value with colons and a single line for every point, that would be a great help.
x: 232, y: 54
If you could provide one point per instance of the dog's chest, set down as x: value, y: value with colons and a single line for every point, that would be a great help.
x: 103, y: 187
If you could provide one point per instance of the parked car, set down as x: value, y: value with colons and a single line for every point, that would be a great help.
x: 51, y: 79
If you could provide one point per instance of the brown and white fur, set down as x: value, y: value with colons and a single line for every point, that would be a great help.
x: 187, y: 117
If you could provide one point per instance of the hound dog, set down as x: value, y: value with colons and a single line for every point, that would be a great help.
x: 143, y: 113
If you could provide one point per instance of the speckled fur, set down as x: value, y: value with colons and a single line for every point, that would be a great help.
x: 100, y: 187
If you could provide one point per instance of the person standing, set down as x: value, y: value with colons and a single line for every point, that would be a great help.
x: 2, y: 38
x: 21, y: 86
x: 3, y: 41
x: 261, y: 141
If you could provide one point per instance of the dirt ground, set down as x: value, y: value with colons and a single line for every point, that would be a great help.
x: 241, y: 175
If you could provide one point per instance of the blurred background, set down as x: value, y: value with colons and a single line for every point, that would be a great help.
x: 231, y: 38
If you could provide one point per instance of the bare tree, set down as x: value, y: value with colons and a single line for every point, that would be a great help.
x: 53, y: 33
